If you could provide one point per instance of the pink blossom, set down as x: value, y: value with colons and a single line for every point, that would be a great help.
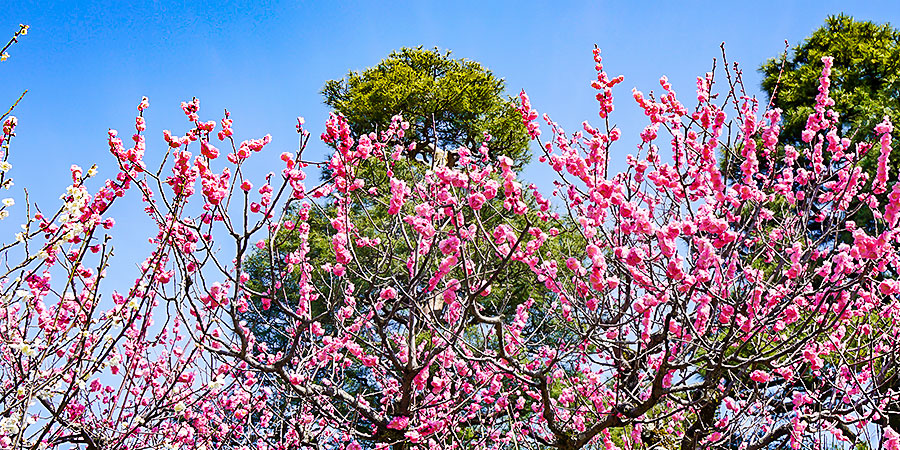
x: 398, y: 423
x: 884, y: 129
x: 891, y: 439
x: 476, y: 200
x: 388, y: 293
x: 760, y: 377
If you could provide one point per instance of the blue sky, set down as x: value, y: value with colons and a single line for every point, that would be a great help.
x: 87, y: 64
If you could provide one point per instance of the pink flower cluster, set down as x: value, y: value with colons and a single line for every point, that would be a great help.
x: 404, y: 305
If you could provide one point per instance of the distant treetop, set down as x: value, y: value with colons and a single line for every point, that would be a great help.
x: 865, y: 79
x: 448, y: 102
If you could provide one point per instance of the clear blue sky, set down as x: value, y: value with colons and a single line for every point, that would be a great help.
x: 87, y: 64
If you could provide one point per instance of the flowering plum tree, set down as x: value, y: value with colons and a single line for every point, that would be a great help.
x: 670, y: 309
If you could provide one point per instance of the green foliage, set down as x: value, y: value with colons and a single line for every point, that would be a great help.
x: 865, y: 85
x: 865, y: 77
x: 448, y: 102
